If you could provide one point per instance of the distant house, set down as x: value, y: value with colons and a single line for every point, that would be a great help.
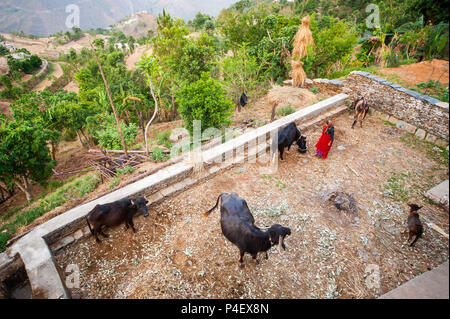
x: 122, y: 45
x: 10, y: 47
x: 20, y: 56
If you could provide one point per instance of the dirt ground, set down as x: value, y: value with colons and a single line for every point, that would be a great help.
x: 178, y: 253
x: 260, y: 110
x: 4, y: 108
x: 436, y: 70
x: 47, y: 46
x: 72, y: 87
x: 130, y: 61
x: 57, y: 73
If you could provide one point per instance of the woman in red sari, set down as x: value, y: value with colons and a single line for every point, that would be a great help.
x: 326, y: 140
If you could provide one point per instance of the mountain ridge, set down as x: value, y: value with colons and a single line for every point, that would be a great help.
x: 46, y: 17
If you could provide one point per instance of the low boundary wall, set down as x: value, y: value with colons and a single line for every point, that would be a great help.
x: 422, y: 115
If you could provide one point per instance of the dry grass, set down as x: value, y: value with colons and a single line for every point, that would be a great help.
x: 290, y: 96
x: 298, y: 74
x: 302, y: 40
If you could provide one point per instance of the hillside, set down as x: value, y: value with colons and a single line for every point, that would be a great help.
x: 137, y: 25
x: 45, y: 17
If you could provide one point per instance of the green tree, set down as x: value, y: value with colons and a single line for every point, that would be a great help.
x: 99, y: 43
x: 334, y: 40
x: 240, y: 72
x: 204, y: 100
x: 24, y: 155
x: 196, y: 57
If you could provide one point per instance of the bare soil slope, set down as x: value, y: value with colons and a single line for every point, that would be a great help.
x: 413, y: 74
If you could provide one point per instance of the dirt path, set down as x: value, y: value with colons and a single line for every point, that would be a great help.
x: 413, y: 74
x: 136, y: 56
x: 72, y: 87
x: 178, y: 253
x: 48, y: 80
x: 4, y: 108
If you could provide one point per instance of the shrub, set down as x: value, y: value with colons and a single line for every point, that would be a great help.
x: 109, y: 138
x: 285, y: 111
x: 158, y: 154
x: 204, y: 100
x: 314, y: 89
x: 126, y: 170
x: 3, y: 51
x: 163, y: 138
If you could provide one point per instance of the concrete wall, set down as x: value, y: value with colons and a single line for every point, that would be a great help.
x: 416, y: 111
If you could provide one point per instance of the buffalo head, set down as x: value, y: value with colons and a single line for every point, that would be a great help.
x: 301, y: 142
x: 277, y: 233
x: 140, y: 204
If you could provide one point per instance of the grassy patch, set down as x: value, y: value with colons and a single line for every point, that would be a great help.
x: 115, y: 182
x: 119, y: 173
x: 163, y: 138
x: 158, y: 155
x: 396, y: 187
x: 434, y: 89
x: 275, y: 180
x: 68, y: 193
x: 285, y: 111
x: 433, y: 151
x: 388, y: 123
x: 314, y: 89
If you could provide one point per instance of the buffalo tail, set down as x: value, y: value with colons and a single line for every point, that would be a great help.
x: 212, y: 209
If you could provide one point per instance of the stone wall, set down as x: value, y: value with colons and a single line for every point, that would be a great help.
x: 417, y: 111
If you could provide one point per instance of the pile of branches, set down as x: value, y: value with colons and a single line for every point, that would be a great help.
x: 108, y: 165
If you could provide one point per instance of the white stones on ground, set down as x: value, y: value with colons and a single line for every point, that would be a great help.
x: 241, y: 170
x: 341, y: 147
x: 78, y: 234
x: 406, y: 126
x: 431, y: 138
x: 421, y: 133
x: 440, y: 194
x: 392, y: 119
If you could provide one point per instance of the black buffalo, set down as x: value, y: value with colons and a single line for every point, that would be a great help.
x: 288, y: 136
x: 238, y: 226
x: 113, y: 214
x: 243, y: 101
x: 302, y: 148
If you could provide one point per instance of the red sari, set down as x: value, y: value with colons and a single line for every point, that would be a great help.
x: 322, y: 146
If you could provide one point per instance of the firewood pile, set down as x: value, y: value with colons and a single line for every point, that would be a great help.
x: 108, y: 165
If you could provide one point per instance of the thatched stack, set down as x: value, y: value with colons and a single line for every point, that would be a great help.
x: 291, y: 96
x: 302, y: 40
x: 298, y: 74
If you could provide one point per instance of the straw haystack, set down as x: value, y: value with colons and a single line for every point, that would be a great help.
x: 302, y: 40
x: 291, y: 96
x: 298, y: 74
